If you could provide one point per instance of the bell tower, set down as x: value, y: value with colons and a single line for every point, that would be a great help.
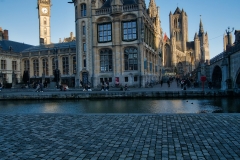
x: 44, y: 13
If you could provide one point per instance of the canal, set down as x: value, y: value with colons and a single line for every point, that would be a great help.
x: 210, y: 105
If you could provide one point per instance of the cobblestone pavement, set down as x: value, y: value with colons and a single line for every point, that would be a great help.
x: 120, y: 136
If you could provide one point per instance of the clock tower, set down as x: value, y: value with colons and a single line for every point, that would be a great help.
x: 44, y: 14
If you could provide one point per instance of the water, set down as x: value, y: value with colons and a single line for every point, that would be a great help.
x: 217, y: 105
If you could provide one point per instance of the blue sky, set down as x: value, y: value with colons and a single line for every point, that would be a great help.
x: 20, y: 18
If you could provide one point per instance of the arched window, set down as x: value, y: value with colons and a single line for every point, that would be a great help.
x: 65, y: 65
x: 53, y: 65
x: 179, y: 23
x: 83, y: 10
x: 105, y: 60
x: 83, y: 28
x: 167, y: 56
x: 74, y: 62
x: 45, y: 21
x: 131, y: 58
x: 45, y: 66
x: 26, y: 65
x: 175, y: 23
x: 36, y: 67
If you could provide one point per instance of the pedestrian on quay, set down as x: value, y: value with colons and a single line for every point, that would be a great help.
x: 168, y: 82
x: 125, y: 87
x: 161, y: 82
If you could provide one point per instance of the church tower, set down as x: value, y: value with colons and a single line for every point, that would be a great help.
x: 44, y: 8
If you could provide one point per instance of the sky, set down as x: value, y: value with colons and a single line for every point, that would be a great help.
x: 20, y: 18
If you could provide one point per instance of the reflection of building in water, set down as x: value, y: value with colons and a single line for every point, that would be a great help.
x: 181, y: 56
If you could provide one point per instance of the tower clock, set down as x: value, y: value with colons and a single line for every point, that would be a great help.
x: 44, y: 7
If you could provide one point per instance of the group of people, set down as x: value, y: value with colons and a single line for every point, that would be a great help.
x: 105, y: 86
x: 86, y: 87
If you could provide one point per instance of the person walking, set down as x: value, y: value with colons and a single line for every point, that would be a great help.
x: 168, y: 82
x: 161, y: 82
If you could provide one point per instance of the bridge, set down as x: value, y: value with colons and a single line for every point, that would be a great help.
x: 224, y: 69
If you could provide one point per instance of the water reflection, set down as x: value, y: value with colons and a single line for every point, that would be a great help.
x: 218, y: 105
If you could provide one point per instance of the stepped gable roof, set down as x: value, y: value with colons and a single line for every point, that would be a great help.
x: 71, y: 44
x: 17, y: 47
x: 177, y: 11
x: 107, y: 4
x: 190, y: 45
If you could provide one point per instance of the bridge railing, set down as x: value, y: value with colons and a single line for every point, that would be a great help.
x: 217, y: 58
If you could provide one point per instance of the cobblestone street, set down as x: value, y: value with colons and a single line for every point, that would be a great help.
x: 120, y: 136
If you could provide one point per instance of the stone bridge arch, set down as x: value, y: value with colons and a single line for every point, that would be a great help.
x: 217, y: 77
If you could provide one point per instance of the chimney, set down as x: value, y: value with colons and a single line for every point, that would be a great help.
x: 5, y: 35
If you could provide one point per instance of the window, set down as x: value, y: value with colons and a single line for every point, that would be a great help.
x: 83, y: 10
x: 130, y: 31
x: 135, y: 78
x: 14, y: 65
x: 53, y: 65
x: 65, y: 65
x: 45, y: 66
x: 45, y: 21
x: 36, y: 67
x: 126, y: 79
x: 131, y: 58
x: 105, y: 32
x: 74, y: 65
x: 84, y: 30
x: 26, y: 65
x: 84, y: 47
x: 3, y: 64
x: 84, y: 62
x: 105, y: 60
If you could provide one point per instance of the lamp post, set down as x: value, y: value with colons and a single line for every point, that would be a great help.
x: 56, y: 73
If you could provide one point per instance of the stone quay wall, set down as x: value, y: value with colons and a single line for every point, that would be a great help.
x: 115, y: 94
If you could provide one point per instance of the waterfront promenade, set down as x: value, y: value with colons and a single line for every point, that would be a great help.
x: 118, y: 136
x: 77, y: 93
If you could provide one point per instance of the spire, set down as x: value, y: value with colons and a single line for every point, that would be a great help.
x: 152, y: 9
x: 201, y: 31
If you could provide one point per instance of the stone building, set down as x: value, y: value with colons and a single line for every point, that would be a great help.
x: 117, y: 41
x: 10, y: 64
x: 181, y: 56
x: 41, y: 62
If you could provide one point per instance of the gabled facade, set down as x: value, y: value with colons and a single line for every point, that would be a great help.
x: 117, y: 41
